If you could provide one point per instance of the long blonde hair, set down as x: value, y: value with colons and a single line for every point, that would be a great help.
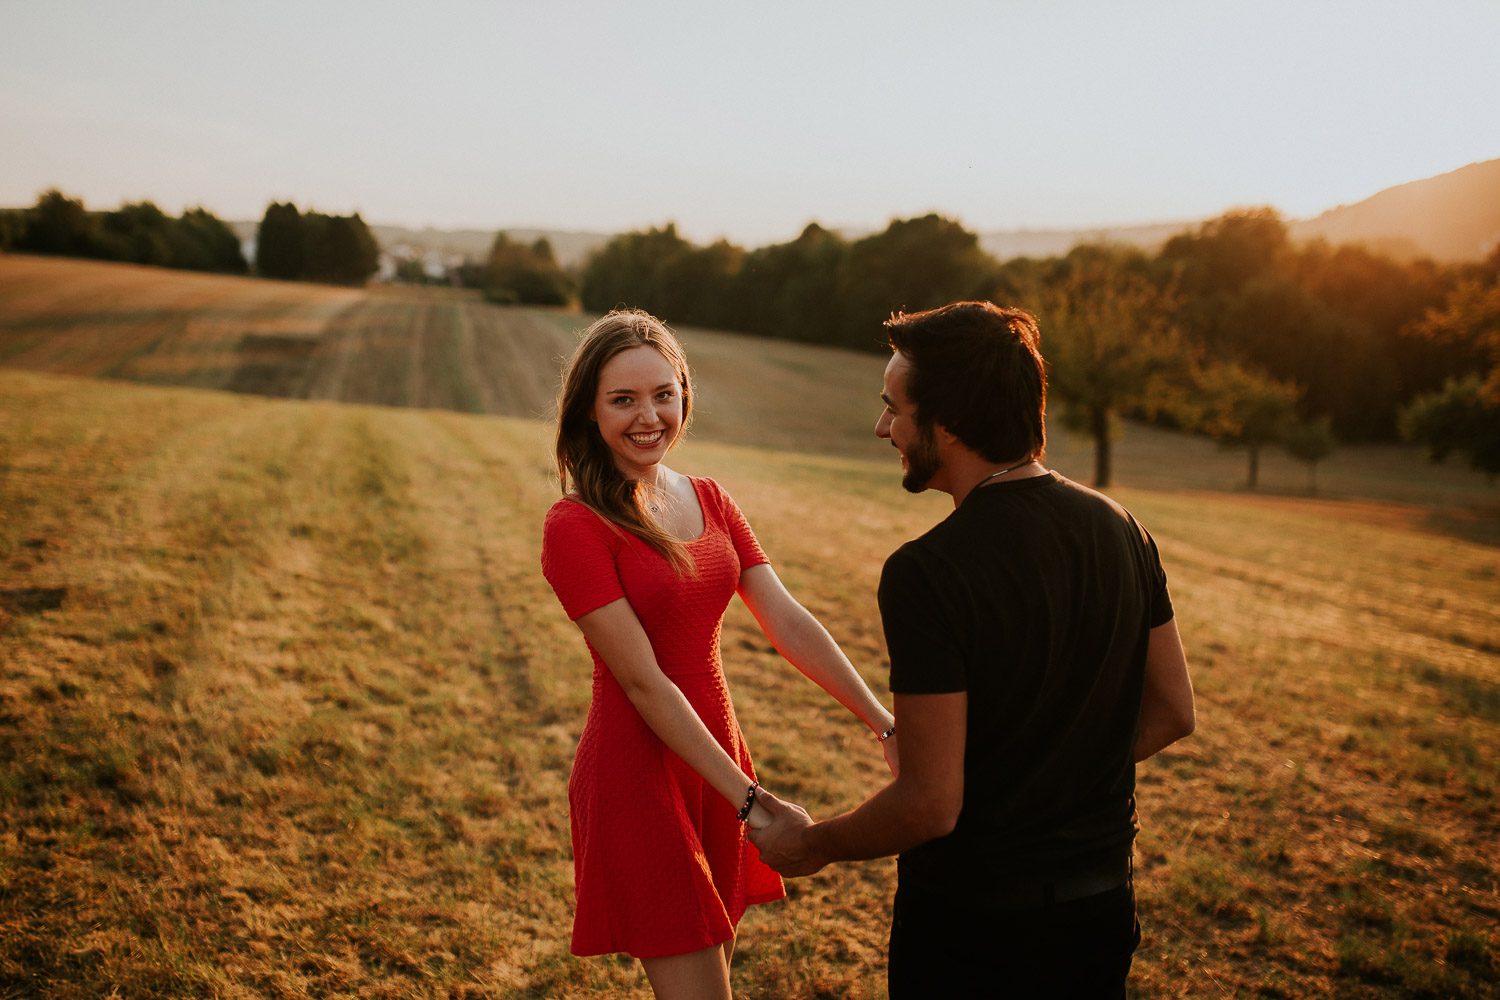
x: 585, y: 466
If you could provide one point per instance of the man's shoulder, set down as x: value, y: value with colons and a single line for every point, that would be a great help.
x: 926, y: 546
x: 1088, y: 496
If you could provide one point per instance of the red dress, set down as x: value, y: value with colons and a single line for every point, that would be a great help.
x: 661, y: 865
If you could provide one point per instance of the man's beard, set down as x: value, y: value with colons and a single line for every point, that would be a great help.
x: 921, y: 461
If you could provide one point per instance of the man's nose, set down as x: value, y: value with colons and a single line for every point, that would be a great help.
x: 883, y: 426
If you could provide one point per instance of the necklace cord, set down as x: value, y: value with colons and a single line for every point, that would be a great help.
x: 997, y: 475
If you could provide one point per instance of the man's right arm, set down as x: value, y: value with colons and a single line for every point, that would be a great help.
x: 923, y: 802
x: 1167, y: 713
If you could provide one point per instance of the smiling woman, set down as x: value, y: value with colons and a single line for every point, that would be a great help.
x: 645, y: 561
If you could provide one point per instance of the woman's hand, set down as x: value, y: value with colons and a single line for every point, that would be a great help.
x: 760, y: 816
x: 892, y: 757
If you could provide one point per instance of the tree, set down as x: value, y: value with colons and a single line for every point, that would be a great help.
x: 12, y: 227
x: 339, y: 249
x: 626, y: 271
x: 1465, y: 415
x: 1367, y: 302
x: 201, y: 241
x: 1110, y: 344
x: 279, y: 248
x: 59, y: 224
x: 1471, y: 316
x: 1241, y: 408
x: 1462, y: 417
x: 914, y: 264
x: 1311, y: 441
x: 697, y: 286
x: 139, y: 233
x: 1227, y: 252
x: 1275, y: 325
x: 790, y: 290
x: 412, y: 271
x: 516, y: 272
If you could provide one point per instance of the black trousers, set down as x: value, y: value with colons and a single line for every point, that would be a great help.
x: 950, y: 947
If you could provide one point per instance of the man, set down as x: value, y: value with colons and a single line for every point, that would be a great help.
x: 1034, y: 661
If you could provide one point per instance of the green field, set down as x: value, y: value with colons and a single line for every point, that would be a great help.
x: 286, y: 709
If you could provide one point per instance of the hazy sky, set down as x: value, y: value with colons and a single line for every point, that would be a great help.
x: 741, y: 119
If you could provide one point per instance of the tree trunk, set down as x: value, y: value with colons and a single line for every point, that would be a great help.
x: 1254, y: 466
x: 1099, y: 427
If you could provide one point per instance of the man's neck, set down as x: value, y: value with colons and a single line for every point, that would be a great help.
x: 966, y: 477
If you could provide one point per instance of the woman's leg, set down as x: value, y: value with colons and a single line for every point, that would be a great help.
x: 698, y: 975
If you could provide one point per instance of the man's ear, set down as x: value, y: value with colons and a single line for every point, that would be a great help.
x: 947, y: 436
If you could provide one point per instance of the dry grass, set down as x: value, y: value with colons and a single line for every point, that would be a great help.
x: 286, y: 709
x: 301, y: 719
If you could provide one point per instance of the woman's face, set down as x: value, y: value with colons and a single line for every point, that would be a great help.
x: 638, y: 409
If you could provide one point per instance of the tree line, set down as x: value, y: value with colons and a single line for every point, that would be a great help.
x: 1229, y: 330
x: 311, y: 246
x: 136, y: 233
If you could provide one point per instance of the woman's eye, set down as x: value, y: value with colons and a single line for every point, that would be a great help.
x: 665, y: 394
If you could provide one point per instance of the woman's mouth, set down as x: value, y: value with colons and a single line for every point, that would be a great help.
x: 647, y: 440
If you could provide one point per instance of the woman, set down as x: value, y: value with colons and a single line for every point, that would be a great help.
x: 645, y: 560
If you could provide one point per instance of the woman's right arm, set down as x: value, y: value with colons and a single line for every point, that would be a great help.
x: 616, y: 633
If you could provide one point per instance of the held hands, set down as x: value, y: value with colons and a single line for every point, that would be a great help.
x: 783, y: 842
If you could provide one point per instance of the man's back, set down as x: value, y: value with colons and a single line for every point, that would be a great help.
x: 1035, y: 597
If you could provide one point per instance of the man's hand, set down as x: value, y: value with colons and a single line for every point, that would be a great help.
x: 783, y: 845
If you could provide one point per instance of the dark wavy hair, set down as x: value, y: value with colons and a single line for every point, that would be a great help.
x: 586, y: 468
x: 977, y: 370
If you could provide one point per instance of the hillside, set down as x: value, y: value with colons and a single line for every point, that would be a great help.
x: 447, y: 349
x: 1451, y: 217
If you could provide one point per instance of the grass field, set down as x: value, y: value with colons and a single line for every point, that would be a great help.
x: 286, y: 709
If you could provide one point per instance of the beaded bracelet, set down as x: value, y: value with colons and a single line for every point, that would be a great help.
x: 887, y: 734
x: 744, y: 812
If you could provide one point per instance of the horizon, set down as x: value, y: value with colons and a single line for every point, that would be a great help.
x: 851, y: 229
x: 743, y: 125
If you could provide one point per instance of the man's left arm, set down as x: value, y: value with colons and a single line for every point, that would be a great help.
x: 1167, y: 713
x: 923, y: 802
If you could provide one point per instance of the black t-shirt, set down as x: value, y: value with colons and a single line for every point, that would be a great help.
x: 1036, y: 597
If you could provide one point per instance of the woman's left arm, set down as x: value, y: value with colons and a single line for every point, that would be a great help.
x: 802, y: 639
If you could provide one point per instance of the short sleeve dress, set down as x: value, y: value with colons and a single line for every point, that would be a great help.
x: 661, y: 863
